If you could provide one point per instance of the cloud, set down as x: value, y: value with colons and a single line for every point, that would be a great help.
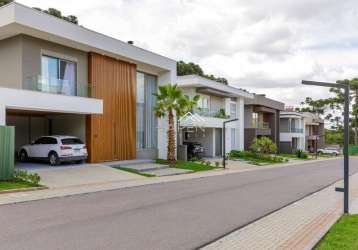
x: 264, y: 46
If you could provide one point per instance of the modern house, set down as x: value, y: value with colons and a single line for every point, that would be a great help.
x: 292, y: 131
x: 61, y: 78
x: 218, y: 103
x: 315, y: 134
x: 262, y: 118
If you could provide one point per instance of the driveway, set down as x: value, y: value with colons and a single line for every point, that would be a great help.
x: 176, y: 215
x: 68, y: 175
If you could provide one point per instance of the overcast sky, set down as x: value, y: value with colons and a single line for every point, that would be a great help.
x: 264, y: 46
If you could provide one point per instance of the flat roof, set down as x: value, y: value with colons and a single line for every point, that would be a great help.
x: 262, y: 100
x: 202, y: 82
x: 17, y: 19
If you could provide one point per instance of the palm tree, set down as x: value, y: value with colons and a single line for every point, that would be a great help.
x: 170, y: 102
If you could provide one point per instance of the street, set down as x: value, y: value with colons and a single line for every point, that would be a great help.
x: 177, y: 215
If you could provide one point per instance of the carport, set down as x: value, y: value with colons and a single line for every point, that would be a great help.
x: 30, y: 125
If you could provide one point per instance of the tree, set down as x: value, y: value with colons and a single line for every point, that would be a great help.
x: 4, y: 2
x: 190, y: 68
x: 57, y: 13
x: 337, y: 103
x: 50, y: 11
x: 263, y: 145
x: 172, y: 102
x: 316, y: 107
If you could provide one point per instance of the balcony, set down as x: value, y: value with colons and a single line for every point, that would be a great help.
x: 58, y: 86
x: 214, y: 114
x: 292, y: 130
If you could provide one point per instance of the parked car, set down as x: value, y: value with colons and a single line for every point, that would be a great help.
x: 328, y: 150
x: 55, y: 149
x: 194, y: 149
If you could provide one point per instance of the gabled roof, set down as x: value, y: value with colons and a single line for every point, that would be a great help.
x: 17, y: 19
x: 211, y: 86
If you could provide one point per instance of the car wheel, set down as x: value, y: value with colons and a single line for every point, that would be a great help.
x: 23, y: 156
x: 54, y: 159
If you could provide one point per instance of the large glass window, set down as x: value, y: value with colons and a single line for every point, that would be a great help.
x: 233, y: 113
x: 58, y: 75
x: 146, y: 120
x: 255, y: 120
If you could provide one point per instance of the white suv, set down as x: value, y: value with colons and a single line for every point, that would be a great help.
x: 55, y: 149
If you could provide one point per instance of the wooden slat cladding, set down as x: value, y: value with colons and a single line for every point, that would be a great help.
x: 112, y: 135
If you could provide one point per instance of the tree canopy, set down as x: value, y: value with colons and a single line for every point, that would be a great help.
x: 191, y: 68
x: 50, y: 11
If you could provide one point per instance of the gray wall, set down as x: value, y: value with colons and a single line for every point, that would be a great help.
x: 248, y: 116
x: 284, y: 126
x: 74, y: 125
x: 31, y: 60
x: 20, y: 59
x: 10, y: 62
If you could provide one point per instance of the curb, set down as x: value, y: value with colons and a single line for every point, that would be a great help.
x: 18, y: 190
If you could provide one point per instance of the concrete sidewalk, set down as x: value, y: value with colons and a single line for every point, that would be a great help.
x: 129, y: 180
x: 297, y: 226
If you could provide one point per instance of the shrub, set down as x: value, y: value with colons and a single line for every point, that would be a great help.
x: 263, y: 145
x: 301, y: 154
x: 32, y: 178
x: 217, y: 164
x: 251, y: 156
x: 208, y: 163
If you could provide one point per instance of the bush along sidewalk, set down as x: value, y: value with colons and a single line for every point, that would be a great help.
x: 262, y: 152
x: 21, y: 180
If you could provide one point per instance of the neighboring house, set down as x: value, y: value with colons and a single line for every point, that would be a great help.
x: 262, y: 118
x: 292, y: 132
x: 61, y: 78
x: 218, y: 103
x: 315, y: 135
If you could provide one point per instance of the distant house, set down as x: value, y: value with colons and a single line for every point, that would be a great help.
x: 262, y: 118
x: 218, y: 103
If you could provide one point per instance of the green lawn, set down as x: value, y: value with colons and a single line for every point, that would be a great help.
x: 189, y: 165
x: 342, y: 236
x: 135, y: 172
x: 293, y: 156
x: 15, y: 184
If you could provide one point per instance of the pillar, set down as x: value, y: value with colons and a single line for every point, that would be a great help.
x: 2, y: 115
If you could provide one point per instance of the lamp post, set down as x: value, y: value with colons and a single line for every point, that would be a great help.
x: 346, y: 135
x: 224, y: 140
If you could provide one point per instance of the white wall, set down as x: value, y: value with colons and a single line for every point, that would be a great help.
x: 39, y: 101
x: 163, y: 79
x: 2, y: 114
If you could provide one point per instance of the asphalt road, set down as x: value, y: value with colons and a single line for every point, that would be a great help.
x: 177, y: 215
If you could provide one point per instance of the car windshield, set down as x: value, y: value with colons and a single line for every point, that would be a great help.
x: 71, y: 141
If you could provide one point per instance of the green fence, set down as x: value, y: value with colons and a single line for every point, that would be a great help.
x: 353, y: 150
x: 7, y: 152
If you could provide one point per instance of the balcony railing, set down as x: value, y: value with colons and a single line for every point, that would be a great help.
x: 58, y: 86
x: 262, y: 125
x: 292, y: 130
x: 209, y: 113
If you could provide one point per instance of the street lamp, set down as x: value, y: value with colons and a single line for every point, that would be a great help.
x: 224, y: 139
x: 346, y: 135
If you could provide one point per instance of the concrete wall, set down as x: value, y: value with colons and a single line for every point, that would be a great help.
x: 74, y: 125
x: 10, y: 62
x: 217, y: 103
x: 27, y: 128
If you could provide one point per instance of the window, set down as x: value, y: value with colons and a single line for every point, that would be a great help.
x: 58, y: 76
x: 233, y: 110
x: 255, y: 120
x: 203, y: 103
x: 71, y: 141
x: 146, y: 124
x: 46, y: 140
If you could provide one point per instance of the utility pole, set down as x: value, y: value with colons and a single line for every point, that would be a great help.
x: 346, y: 89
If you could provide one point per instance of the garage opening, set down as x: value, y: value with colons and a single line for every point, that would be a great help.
x: 30, y: 125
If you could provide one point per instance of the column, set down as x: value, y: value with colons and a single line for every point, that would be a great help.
x: 241, y: 124
x: 2, y: 115
x: 214, y: 142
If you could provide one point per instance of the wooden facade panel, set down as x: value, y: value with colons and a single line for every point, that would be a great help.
x: 112, y: 135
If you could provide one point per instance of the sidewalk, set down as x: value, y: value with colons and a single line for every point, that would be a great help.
x: 297, y: 226
x: 61, y: 190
